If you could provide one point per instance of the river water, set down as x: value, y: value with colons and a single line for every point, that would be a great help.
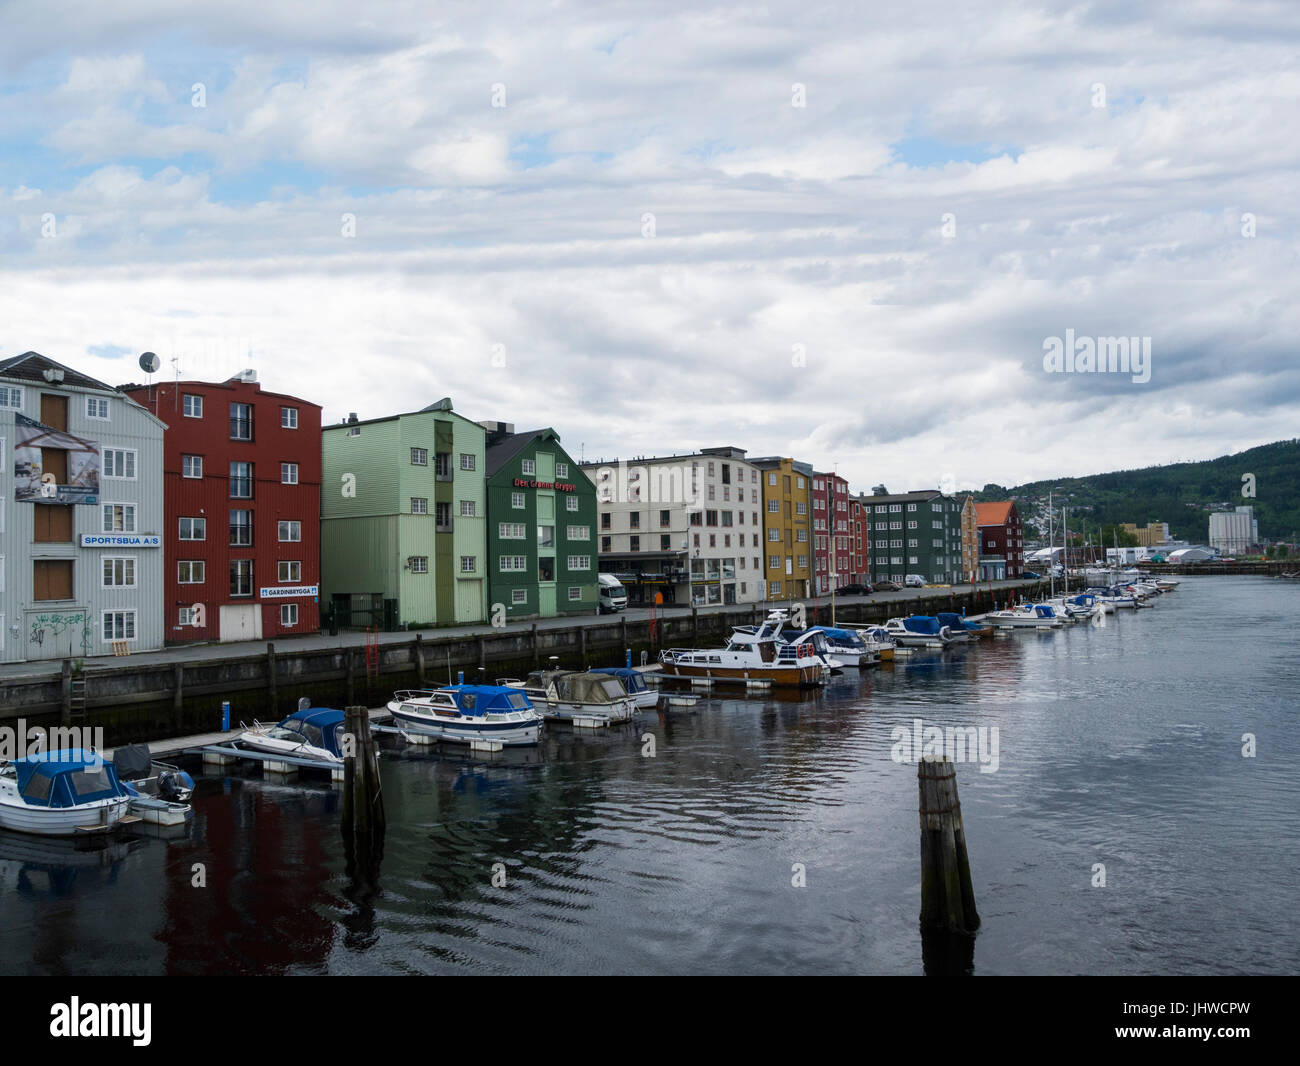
x: 766, y: 835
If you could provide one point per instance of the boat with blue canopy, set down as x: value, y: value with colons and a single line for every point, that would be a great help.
x: 468, y: 713
x: 849, y: 646
x: 314, y: 733
x: 634, y: 681
x: 959, y: 624
x: 920, y: 631
x: 62, y: 793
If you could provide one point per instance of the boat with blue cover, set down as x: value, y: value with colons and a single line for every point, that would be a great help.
x: 62, y: 793
x: 634, y: 681
x: 314, y: 733
x: 921, y: 631
x: 467, y: 714
x: 959, y: 624
x: 849, y: 646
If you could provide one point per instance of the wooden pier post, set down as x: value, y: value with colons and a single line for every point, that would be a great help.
x: 418, y: 655
x: 947, y: 896
x: 537, y: 660
x: 65, y: 711
x: 482, y: 651
x: 363, y: 820
x: 582, y: 645
x: 347, y: 666
x: 695, y: 626
x: 178, y: 687
x: 270, y: 674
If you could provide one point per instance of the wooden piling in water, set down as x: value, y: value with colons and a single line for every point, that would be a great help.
x: 363, y: 820
x: 178, y: 688
x: 270, y: 673
x: 947, y: 895
x: 536, y: 654
x: 65, y: 690
x: 418, y: 655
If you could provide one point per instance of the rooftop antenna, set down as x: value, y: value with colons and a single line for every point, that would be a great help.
x: 149, y: 364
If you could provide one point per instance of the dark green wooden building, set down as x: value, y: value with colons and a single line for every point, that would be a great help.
x: 541, y: 536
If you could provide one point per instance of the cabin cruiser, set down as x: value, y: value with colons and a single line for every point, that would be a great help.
x: 564, y: 695
x: 754, y: 654
x: 921, y: 631
x: 816, y: 634
x: 849, y: 646
x: 1027, y: 616
x: 62, y: 793
x: 314, y: 733
x: 964, y: 626
x: 1116, y: 596
x: 1167, y: 584
x: 634, y: 682
x: 468, y: 713
x: 159, y: 792
x: 876, y: 639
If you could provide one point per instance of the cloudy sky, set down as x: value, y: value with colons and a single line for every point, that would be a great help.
x: 843, y: 233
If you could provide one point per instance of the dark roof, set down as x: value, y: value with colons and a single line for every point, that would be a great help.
x: 901, y: 497
x: 506, y: 447
x: 31, y: 366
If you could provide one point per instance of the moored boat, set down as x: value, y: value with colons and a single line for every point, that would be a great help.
x: 467, y: 714
x: 921, y: 631
x: 634, y: 682
x: 567, y: 695
x: 752, y: 655
x: 62, y: 793
x: 1027, y: 616
x: 160, y: 792
x: 313, y: 733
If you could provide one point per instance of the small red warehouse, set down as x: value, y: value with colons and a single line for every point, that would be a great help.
x: 1001, y: 535
x: 241, y: 495
x: 832, y: 540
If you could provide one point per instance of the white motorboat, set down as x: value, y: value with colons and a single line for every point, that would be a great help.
x: 160, y: 792
x: 921, y: 631
x: 1167, y: 584
x: 468, y: 713
x: 751, y: 654
x: 1026, y: 616
x: 633, y: 680
x: 566, y: 695
x: 313, y: 733
x: 62, y: 793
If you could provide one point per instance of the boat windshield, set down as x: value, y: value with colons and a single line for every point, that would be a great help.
x: 613, y: 688
x: 91, y: 781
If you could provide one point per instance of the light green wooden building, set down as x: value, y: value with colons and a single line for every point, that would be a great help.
x: 404, y: 520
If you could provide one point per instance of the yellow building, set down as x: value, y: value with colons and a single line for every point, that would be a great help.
x: 1149, y: 535
x: 970, y: 540
x: 787, y: 543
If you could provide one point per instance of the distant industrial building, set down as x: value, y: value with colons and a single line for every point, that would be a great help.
x: 1234, y: 532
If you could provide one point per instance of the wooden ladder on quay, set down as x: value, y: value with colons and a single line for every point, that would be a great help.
x: 372, y: 653
x: 77, y: 696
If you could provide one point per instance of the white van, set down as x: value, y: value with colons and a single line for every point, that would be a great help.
x: 914, y: 581
x: 613, y: 596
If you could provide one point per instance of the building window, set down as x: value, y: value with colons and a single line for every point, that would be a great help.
x: 119, y: 463
x: 191, y: 528
x: 468, y: 564
x: 241, y: 529
x: 119, y: 573
x: 605, y: 543
x: 546, y: 569
x: 288, y: 473
x: 529, y: 467
x: 420, y: 456
x: 771, y: 480
x: 665, y: 542
x: 119, y: 518
x: 186, y: 616
x: 442, y: 517
x: 518, y: 595
x: 575, y: 592
x: 634, y: 520
x: 241, y: 577
x: 466, y: 461
x: 467, y: 508
x: 561, y: 469
x: 118, y: 625
x: 419, y: 505
x: 773, y: 506
x: 192, y: 406
x: 290, y: 532
x: 634, y: 544
x: 289, y: 611
x: 517, y: 500
x: 241, y: 421
x: 11, y: 396
x: 289, y: 419
x: 775, y: 588
x: 97, y: 408
x: 419, y: 564
x: 579, y: 532
x: 512, y: 531
x: 442, y: 466
x: 192, y: 466
x: 190, y: 571
x: 241, y: 481
x: 604, y: 520
x: 579, y: 562
x: 512, y: 563
x: 289, y: 570
x: 571, y: 503
x: 546, y: 536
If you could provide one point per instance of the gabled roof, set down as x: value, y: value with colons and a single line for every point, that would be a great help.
x: 505, y: 448
x: 994, y: 514
x: 900, y: 497
x: 31, y: 366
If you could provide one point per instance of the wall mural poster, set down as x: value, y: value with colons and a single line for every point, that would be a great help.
x: 30, y: 481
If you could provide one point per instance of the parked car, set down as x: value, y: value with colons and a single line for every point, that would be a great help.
x: 914, y: 581
x: 887, y: 586
x: 855, y: 590
x: 1031, y: 575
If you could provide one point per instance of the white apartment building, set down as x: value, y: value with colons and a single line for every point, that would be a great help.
x: 684, y: 527
x: 81, y: 516
x: 1234, y: 532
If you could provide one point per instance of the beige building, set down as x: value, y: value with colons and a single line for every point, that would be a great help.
x: 1150, y: 535
x: 970, y: 539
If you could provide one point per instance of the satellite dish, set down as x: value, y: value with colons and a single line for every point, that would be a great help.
x: 149, y: 363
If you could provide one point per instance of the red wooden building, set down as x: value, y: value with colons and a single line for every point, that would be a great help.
x: 1001, y: 535
x: 860, y: 531
x: 241, y: 493
x: 832, y: 538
